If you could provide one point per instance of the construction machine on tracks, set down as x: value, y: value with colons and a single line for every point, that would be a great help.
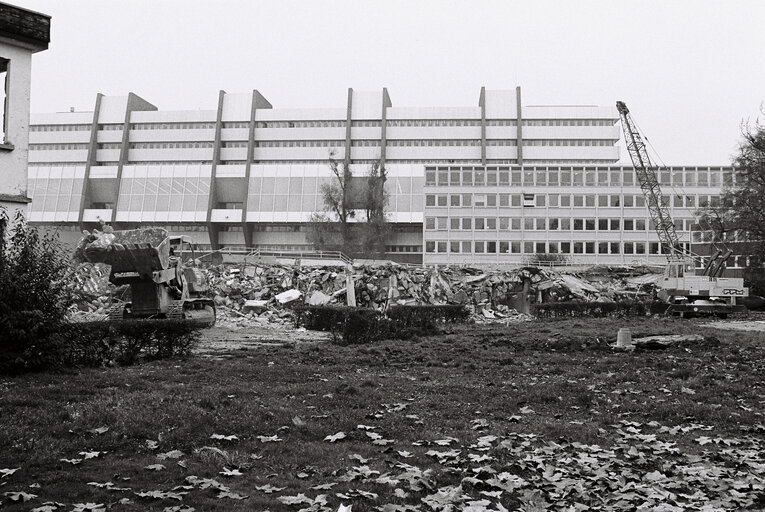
x: 162, y: 284
x: 686, y: 292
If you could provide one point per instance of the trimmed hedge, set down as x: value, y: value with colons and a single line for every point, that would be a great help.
x: 102, y: 344
x: 350, y: 326
x: 596, y: 309
x: 428, y: 316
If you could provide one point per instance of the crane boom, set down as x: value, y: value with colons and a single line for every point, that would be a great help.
x: 649, y: 184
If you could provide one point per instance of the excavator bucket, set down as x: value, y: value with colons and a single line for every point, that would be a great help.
x: 136, y: 250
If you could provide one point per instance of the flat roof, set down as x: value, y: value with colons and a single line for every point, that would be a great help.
x: 25, y: 28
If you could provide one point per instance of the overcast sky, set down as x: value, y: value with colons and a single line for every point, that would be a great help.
x: 690, y: 71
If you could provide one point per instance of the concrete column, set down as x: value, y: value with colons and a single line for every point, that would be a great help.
x: 213, y: 231
x: 519, y: 120
x: 134, y: 102
x: 347, y: 159
x: 85, y: 201
x: 383, y: 131
x: 482, y: 104
x: 258, y: 101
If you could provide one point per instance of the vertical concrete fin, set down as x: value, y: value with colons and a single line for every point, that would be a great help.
x: 134, y: 102
x: 85, y: 200
x: 213, y: 197
x: 212, y: 200
x: 384, y: 125
x: 482, y: 104
x: 258, y: 101
x: 519, y: 127
x: 348, y: 122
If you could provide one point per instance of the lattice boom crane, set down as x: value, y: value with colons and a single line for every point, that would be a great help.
x: 649, y: 183
x: 686, y: 293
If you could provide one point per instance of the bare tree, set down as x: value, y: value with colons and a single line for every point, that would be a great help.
x: 345, y: 194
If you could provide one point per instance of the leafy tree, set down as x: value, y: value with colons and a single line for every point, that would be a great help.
x: 34, y: 291
x: 741, y: 212
x: 342, y: 197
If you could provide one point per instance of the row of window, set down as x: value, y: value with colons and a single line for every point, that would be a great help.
x: 300, y: 144
x: 548, y: 224
x: 171, y: 145
x: 60, y: 128
x: 57, y: 147
x: 554, y: 178
x: 565, y: 200
x: 172, y: 126
x: 403, y: 248
x: 519, y: 247
x: 337, y: 123
x: 433, y: 143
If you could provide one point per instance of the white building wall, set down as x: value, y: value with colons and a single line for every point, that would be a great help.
x: 14, y: 153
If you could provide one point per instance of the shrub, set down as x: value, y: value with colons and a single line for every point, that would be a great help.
x: 596, y: 309
x: 427, y: 317
x: 102, y: 344
x: 350, y: 325
x: 34, y: 293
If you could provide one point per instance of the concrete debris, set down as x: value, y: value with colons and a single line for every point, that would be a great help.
x: 288, y: 296
x: 265, y: 294
x: 319, y: 299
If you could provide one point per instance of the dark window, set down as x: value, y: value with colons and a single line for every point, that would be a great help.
x: 4, y: 85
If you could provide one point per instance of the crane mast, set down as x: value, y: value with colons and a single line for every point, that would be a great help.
x: 649, y: 184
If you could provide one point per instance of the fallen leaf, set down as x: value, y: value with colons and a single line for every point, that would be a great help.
x: 99, y: 430
x: 324, y: 487
x: 268, y: 488
x: 73, y: 462
x: 230, y: 472
x: 172, y: 454
x: 155, y: 467
x: 179, y: 508
x: 224, y: 438
x: 269, y: 439
x: 89, y: 507
x: 295, y: 500
x: 7, y: 472
x: 151, y: 445
x: 160, y: 495
x: 19, y: 497
x: 91, y: 455
x: 335, y: 437
x: 687, y: 391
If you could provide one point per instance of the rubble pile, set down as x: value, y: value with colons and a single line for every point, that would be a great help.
x: 264, y: 294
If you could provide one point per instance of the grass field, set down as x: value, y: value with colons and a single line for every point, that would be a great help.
x: 531, y: 416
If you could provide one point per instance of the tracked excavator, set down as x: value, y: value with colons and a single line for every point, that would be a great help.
x: 686, y: 292
x: 162, y: 284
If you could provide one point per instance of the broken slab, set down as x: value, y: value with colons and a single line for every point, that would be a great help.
x: 318, y: 298
x: 664, y: 341
x: 258, y: 306
x: 288, y: 296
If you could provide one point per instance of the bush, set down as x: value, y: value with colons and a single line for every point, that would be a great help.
x: 427, y: 317
x: 102, y: 344
x: 350, y: 325
x: 34, y: 292
x: 596, y: 309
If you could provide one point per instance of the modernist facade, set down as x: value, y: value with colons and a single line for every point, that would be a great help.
x: 22, y: 33
x: 495, y: 183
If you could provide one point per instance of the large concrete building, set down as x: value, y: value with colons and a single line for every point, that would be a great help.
x: 22, y: 33
x: 499, y: 182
